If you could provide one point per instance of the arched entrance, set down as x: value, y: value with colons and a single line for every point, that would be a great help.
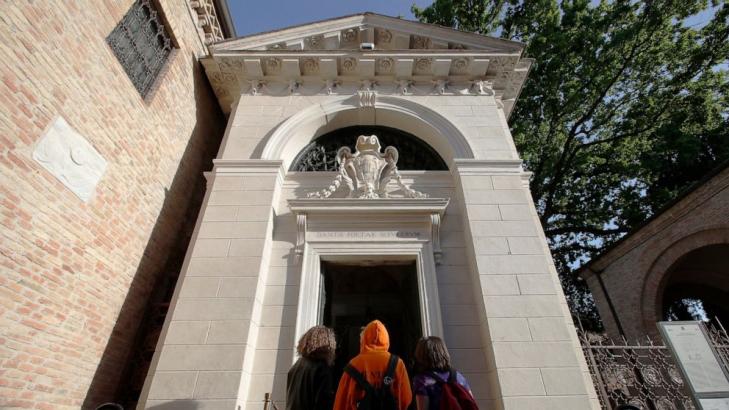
x: 687, y: 278
x: 697, y: 286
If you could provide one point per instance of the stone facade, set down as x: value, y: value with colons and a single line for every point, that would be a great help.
x: 76, y: 275
x: 249, y: 283
x: 686, y: 244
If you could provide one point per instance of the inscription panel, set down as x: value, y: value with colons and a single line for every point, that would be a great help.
x: 393, y: 235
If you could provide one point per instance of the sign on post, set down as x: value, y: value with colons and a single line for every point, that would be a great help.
x: 699, y: 363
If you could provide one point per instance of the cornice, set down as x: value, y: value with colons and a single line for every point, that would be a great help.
x: 397, y: 52
x: 310, y: 72
x: 369, y: 206
x: 488, y: 167
x: 364, y: 24
x: 247, y: 166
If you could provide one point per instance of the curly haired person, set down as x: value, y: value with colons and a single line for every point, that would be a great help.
x: 309, y: 384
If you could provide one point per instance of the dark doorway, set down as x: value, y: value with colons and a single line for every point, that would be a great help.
x: 355, y: 295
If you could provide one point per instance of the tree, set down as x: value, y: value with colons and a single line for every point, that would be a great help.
x: 625, y: 106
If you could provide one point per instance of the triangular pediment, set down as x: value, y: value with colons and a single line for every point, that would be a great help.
x: 367, y: 52
x: 384, y: 32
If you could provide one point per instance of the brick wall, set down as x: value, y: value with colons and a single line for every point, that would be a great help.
x: 71, y: 270
x: 635, y: 271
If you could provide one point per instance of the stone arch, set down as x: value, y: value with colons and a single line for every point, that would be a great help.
x: 660, y: 270
x: 291, y: 136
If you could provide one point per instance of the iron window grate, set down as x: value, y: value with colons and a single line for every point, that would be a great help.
x: 141, y: 44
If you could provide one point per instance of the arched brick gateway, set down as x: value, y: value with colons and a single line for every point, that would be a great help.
x: 664, y: 270
x: 680, y: 252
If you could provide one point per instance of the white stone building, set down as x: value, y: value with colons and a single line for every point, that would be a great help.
x: 469, y: 262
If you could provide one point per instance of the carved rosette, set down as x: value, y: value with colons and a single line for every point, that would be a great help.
x: 420, y: 42
x: 460, y: 66
x: 349, y: 64
x: 367, y: 172
x: 384, y: 36
x: 423, y: 65
x: 349, y: 36
x: 314, y: 42
x: 310, y: 66
x: 385, y: 65
x: 273, y: 66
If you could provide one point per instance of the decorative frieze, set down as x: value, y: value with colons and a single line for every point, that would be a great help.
x: 310, y: 66
x: 385, y: 65
x: 272, y: 66
x: 314, y: 42
x: 420, y: 42
x: 349, y: 36
x: 331, y: 62
x: 383, y: 36
x: 422, y: 66
x: 349, y: 65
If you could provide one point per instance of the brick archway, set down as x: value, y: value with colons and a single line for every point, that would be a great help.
x: 660, y: 271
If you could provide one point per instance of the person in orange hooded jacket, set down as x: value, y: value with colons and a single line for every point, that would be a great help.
x: 372, y: 362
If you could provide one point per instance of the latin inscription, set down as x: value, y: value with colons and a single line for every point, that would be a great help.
x: 365, y: 235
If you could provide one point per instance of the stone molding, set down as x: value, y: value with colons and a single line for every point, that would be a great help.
x: 447, y: 139
x: 407, y: 56
x: 350, y: 229
x: 384, y: 31
x: 374, y: 211
x: 490, y: 167
x: 369, y: 206
x: 425, y: 72
x: 246, y: 166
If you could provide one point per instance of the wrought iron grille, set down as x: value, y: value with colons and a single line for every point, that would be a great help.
x: 415, y: 154
x: 643, y: 374
x: 141, y: 44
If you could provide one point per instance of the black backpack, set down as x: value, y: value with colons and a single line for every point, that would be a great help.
x: 380, y: 398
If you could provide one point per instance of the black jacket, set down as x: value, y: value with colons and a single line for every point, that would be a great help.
x: 309, y: 386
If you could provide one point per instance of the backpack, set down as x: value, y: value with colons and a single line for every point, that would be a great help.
x: 453, y: 395
x: 380, y: 398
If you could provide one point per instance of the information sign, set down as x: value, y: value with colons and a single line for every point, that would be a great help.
x: 698, y: 362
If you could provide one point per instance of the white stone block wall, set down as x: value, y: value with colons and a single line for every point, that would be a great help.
x: 505, y: 319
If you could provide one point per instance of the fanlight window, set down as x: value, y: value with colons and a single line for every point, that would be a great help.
x: 415, y: 154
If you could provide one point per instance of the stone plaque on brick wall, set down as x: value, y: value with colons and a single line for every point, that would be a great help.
x: 69, y: 157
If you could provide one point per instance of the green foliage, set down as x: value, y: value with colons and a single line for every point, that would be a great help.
x: 625, y: 106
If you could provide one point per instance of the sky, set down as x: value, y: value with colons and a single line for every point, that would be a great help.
x: 252, y: 17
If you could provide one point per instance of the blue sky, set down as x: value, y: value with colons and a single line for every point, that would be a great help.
x: 252, y: 17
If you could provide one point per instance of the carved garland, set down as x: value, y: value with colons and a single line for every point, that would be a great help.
x: 367, y: 172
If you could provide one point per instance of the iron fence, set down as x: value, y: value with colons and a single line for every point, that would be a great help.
x: 643, y: 374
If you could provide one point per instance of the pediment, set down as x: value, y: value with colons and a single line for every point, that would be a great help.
x: 386, y: 33
x: 328, y: 57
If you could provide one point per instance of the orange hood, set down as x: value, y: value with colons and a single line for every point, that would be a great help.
x: 374, y: 338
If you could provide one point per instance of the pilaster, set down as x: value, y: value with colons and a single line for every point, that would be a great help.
x: 205, y: 353
x: 533, y: 356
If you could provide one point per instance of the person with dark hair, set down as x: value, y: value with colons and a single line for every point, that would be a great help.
x: 436, y: 380
x: 309, y: 383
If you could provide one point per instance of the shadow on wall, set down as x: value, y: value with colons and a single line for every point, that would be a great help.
x: 176, y: 405
x: 123, y: 367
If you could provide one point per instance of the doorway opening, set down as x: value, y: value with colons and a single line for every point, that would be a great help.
x: 357, y: 293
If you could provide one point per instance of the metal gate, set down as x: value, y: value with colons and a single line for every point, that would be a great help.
x: 644, y: 373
